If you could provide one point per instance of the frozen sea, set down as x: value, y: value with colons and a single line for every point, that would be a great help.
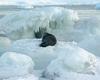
x: 84, y: 11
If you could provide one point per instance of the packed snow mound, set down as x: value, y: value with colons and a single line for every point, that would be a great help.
x: 85, y: 28
x: 68, y: 75
x: 89, y: 26
x: 78, y: 76
x: 91, y: 44
x: 5, y: 43
x: 41, y: 56
x: 15, y: 64
x: 25, y: 77
x: 24, y: 23
x: 83, y: 60
x: 72, y: 59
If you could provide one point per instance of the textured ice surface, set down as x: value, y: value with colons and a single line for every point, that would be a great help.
x: 78, y: 76
x: 5, y: 43
x: 72, y: 62
x: 15, y: 64
x: 68, y: 75
x: 41, y: 56
x: 91, y: 44
x: 25, y: 77
x: 85, y: 28
x: 72, y: 58
x: 24, y: 23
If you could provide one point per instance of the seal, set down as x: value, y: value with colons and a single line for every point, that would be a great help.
x: 48, y: 40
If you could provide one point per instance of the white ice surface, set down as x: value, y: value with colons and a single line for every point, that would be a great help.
x: 78, y: 76
x: 67, y: 75
x: 88, y: 34
x: 41, y: 56
x: 72, y: 62
x: 5, y: 43
x: 85, y: 28
x: 23, y: 23
x: 25, y: 77
x: 14, y: 64
x: 91, y: 44
x: 72, y: 58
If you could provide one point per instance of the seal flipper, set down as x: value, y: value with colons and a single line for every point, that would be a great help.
x: 43, y: 45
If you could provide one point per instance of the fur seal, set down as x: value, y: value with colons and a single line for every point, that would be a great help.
x: 48, y: 40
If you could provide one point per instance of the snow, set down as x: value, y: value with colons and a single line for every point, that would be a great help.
x: 23, y: 24
x: 64, y: 61
x: 5, y: 43
x: 85, y: 28
x: 82, y: 29
x: 87, y: 33
x: 60, y: 62
x: 26, y: 77
x: 78, y: 76
x: 41, y: 56
x: 61, y: 74
x: 91, y: 44
x: 15, y: 64
x: 74, y: 59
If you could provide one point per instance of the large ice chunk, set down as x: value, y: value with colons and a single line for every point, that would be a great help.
x: 83, y: 61
x: 41, y: 56
x: 25, y: 77
x: 71, y: 58
x: 15, y: 64
x: 24, y: 24
x: 5, y: 43
x: 85, y: 28
x: 91, y: 44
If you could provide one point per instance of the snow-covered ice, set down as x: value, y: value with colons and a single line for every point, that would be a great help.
x: 63, y: 74
x: 41, y: 56
x: 85, y: 28
x: 14, y: 64
x: 72, y: 58
x: 78, y: 76
x: 65, y: 60
x: 5, y: 43
x: 23, y: 24
x: 91, y: 44
x: 25, y: 77
x: 87, y: 32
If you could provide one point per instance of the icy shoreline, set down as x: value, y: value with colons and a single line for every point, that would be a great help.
x: 61, y: 61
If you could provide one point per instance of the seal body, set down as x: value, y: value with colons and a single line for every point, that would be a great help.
x: 48, y: 40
